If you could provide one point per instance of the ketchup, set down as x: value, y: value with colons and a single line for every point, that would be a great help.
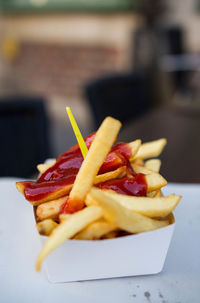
x: 135, y: 186
x: 35, y: 191
x: 61, y: 176
x: 71, y: 206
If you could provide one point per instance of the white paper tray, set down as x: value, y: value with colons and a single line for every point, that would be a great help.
x: 141, y: 254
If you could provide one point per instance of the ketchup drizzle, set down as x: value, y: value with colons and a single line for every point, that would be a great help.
x: 63, y: 173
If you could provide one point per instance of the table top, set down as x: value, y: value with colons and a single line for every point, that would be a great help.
x: 178, y: 282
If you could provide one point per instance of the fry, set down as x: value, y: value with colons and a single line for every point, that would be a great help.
x: 124, y: 218
x: 100, y: 147
x: 154, y: 194
x: 150, y: 207
x: 158, y: 193
x: 20, y: 187
x: 63, y: 217
x: 150, y: 149
x: 139, y: 169
x: 153, y: 164
x: 96, y: 230
x: 67, y: 230
x: 154, y: 182
x: 44, y: 166
x: 51, y: 209
x: 51, y: 196
x: 46, y: 227
x: 119, y: 172
x: 135, y: 145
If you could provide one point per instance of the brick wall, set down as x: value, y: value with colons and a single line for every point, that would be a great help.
x: 63, y: 70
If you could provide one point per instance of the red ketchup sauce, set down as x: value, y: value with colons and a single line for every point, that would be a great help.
x: 135, y: 186
x: 63, y: 173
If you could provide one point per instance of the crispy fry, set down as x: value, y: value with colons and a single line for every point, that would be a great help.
x: 44, y: 166
x: 96, y: 230
x: 154, y: 182
x: 119, y: 172
x: 123, y: 217
x: 46, y: 227
x: 139, y: 169
x: 20, y: 187
x: 153, y: 164
x: 150, y: 207
x: 52, y: 196
x: 67, y: 230
x: 100, y: 147
x: 51, y: 209
x: 89, y: 200
x: 155, y: 194
x: 135, y: 145
x: 150, y: 149
x: 63, y: 217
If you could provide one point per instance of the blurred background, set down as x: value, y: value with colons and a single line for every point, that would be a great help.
x: 136, y: 60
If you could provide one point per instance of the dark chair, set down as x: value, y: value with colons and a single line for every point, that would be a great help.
x: 23, y: 136
x: 121, y: 96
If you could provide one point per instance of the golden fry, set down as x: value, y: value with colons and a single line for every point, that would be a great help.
x: 44, y: 166
x: 51, y: 209
x: 46, y: 227
x: 135, y: 145
x: 155, y: 194
x: 96, y: 230
x: 153, y: 164
x: 119, y: 172
x: 52, y: 196
x: 123, y: 217
x: 150, y: 207
x: 150, y: 149
x: 154, y: 182
x: 97, y: 153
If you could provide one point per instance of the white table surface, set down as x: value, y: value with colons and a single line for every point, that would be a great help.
x: 179, y: 282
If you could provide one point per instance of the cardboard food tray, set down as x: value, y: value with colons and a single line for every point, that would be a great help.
x: 132, y: 255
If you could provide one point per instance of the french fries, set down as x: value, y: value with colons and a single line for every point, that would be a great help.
x: 82, y: 211
x: 150, y: 149
x: 151, y: 207
x: 123, y: 217
x: 96, y: 230
x: 51, y: 209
